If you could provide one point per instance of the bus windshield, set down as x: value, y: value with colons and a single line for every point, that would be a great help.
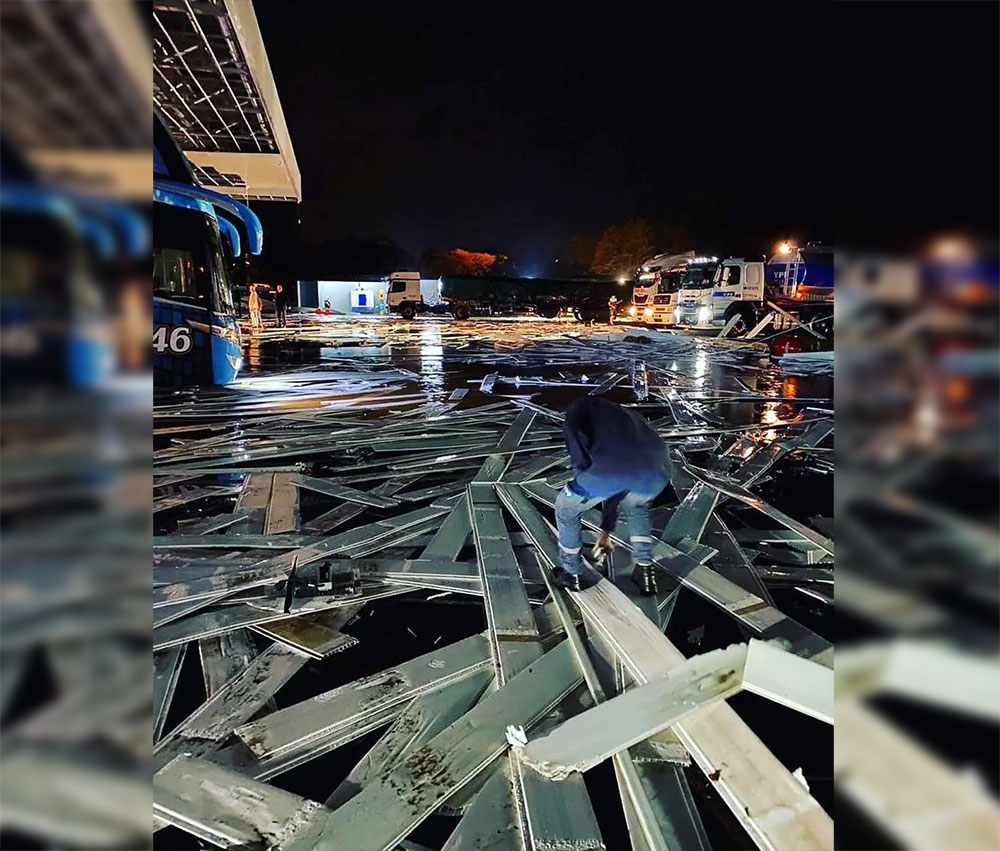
x: 187, y: 259
x: 698, y: 277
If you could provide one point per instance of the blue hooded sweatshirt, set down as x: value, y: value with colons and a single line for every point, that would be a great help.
x: 614, y: 451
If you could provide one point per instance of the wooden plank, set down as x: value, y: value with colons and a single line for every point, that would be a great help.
x: 210, y: 524
x: 736, y: 317
x: 177, y: 500
x: 59, y: 800
x: 237, y: 615
x: 760, y: 326
x: 639, y: 814
x: 378, y: 531
x: 226, y: 808
x: 224, y: 657
x: 172, y: 610
x: 407, y: 795
x: 266, y: 769
x: 549, y: 817
x: 548, y: 626
x: 588, y: 739
x: 736, y: 492
x: 283, y: 509
x: 774, y: 807
x: 789, y: 680
x: 452, y: 533
x: 317, y: 635
x: 689, y: 518
x: 491, y: 823
x: 166, y: 671
x: 251, y: 541
x: 507, y: 609
x: 253, y: 500
x: 296, y: 725
x: 332, y: 488
x: 231, y: 577
x: 907, y: 791
x: 342, y: 514
x: 239, y: 699
x: 417, y: 724
x: 731, y: 561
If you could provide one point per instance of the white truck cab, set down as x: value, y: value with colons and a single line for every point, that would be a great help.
x: 404, y: 295
x: 737, y: 288
x: 654, y: 295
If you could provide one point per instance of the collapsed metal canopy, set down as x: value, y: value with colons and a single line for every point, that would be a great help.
x: 74, y: 81
x: 213, y: 83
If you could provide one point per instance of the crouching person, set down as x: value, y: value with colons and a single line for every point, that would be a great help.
x: 621, y: 461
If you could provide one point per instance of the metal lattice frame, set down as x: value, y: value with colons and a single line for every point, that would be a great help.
x: 202, y: 82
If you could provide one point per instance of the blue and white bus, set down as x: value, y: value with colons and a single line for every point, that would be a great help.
x: 199, y: 238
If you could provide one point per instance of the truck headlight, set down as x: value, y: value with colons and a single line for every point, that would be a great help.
x: 648, y: 312
x: 704, y: 314
x: 631, y: 311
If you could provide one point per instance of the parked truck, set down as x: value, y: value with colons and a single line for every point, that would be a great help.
x: 462, y: 297
x: 798, y: 281
x: 658, y: 284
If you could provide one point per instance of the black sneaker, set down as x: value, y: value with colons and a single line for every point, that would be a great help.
x: 564, y: 579
x: 644, y: 575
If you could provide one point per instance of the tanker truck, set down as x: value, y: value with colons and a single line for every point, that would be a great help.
x: 797, y: 281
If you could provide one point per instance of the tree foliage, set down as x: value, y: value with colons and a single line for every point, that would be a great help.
x: 458, y: 261
x: 622, y: 248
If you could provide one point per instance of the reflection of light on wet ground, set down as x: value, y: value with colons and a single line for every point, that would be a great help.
x: 253, y: 352
x: 431, y: 358
x: 770, y: 415
x: 700, y: 367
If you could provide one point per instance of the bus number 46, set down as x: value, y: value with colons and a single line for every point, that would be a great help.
x: 176, y: 340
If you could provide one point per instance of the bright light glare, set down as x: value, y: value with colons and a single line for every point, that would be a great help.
x: 784, y: 248
x: 621, y: 280
x: 951, y: 248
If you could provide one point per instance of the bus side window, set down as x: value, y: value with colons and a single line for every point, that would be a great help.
x: 182, y: 265
x: 173, y: 273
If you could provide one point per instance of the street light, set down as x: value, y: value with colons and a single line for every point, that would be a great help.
x: 784, y: 248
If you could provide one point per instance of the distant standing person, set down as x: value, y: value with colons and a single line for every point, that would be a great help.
x: 280, y: 304
x: 253, y: 305
x: 619, y: 459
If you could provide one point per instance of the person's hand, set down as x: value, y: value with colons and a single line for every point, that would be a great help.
x: 604, y: 546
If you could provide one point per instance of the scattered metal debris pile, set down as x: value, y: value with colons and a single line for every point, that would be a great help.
x: 426, y: 470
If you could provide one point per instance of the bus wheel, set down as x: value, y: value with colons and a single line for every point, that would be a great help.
x: 461, y: 312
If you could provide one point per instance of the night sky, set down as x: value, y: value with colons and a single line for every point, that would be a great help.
x: 514, y: 133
